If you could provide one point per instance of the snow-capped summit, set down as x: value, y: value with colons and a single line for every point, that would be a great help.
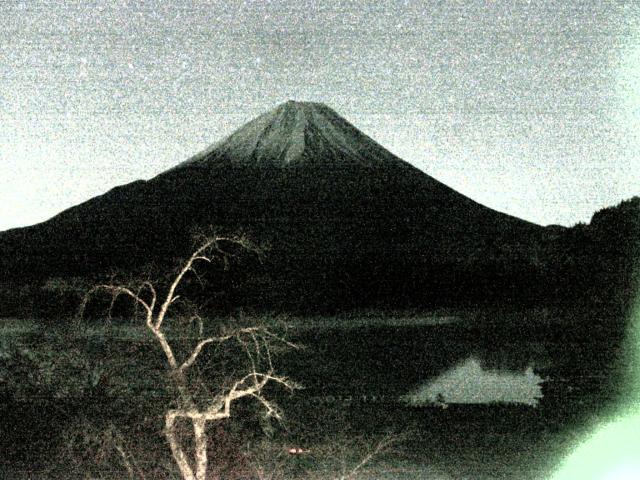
x: 293, y: 133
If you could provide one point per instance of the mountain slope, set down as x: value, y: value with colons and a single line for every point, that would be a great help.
x: 350, y: 224
x: 295, y: 133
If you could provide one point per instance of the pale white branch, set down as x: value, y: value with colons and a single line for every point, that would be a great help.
x: 119, y: 290
x: 196, y: 352
x: 187, y: 266
x: 377, y: 449
x: 256, y: 341
x: 272, y: 408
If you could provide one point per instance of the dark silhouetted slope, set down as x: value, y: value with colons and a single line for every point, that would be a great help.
x: 349, y: 223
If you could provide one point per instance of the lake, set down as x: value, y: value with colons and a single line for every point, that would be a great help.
x: 484, y: 394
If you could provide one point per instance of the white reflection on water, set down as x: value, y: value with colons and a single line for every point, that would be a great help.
x: 470, y: 383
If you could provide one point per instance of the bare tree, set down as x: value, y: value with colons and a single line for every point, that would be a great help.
x: 155, y: 303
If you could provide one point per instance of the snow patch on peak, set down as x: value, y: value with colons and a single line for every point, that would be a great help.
x: 292, y: 133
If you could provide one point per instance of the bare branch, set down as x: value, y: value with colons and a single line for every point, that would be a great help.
x: 176, y: 448
x: 117, y: 290
x: 128, y: 459
x: 272, y: 409
x: 280, y: 339
x: 114, y: 297
x: 164, y: 344
x: 188, y: 266
x: 383, y: 444
x: 176, y: 281
x: 268, y: 350
x: 248, y: 352
x: 237, y: 334
x: 261, y: 379
x: 197, y: 318
x: 196, y: 351
x: 257, y: 342
x: 154, y: 295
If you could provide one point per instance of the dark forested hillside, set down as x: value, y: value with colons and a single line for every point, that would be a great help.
x: 598, y: 261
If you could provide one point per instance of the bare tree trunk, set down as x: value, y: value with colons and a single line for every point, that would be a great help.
x: 200, y: 436
x: 176, y: 449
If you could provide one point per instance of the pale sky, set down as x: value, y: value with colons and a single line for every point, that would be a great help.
x: 531, y: 108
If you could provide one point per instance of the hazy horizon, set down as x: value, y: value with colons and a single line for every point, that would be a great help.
x: 530, y: 109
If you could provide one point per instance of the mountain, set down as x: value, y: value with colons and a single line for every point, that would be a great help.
x: 297, y: 133
x: 349, y: 223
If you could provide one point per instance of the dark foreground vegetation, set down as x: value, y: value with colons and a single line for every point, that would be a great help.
x: 87, y: 400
